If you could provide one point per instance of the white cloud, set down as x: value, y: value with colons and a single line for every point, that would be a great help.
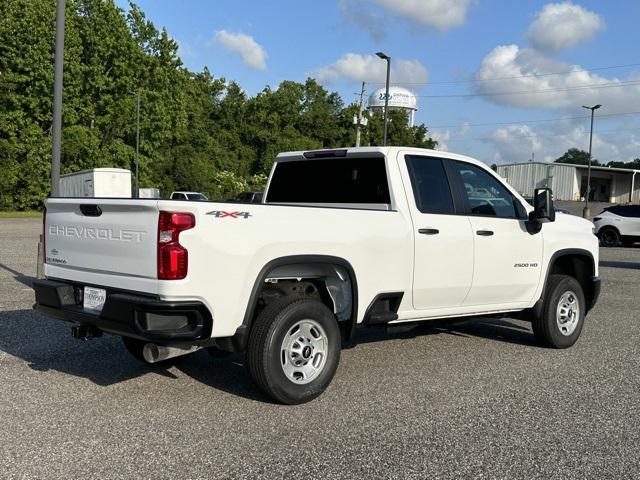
x: 515, y: 143
x: 444, y: 136
x: 567, y: 91
x: 439, y: 14
x: 371, y: 69
x: 358, y: 12
x: 252, y: 53
x: 563, y: 25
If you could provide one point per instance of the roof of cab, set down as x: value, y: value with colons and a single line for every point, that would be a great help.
x: 376, y: 151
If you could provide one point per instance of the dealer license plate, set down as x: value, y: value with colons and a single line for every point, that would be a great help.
x: 94, y: 299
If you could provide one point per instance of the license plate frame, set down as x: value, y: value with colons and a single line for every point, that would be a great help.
x: 93, y: 299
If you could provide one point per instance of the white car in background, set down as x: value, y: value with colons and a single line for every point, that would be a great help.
x: 193, y: 196
x: 617, y: 225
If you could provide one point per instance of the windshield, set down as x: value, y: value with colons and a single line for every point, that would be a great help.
x: 196, y: 196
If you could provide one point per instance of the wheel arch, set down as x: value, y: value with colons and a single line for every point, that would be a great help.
x: 577, y: 263
x: 324, y: 268
x: 608, y: 226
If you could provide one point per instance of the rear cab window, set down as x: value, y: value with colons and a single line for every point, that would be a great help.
x: 430, y: 185
x: 332, y: 181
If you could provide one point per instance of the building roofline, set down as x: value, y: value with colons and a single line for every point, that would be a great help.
x: 593, y: 167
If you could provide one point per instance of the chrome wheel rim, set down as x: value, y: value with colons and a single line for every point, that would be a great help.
x: 568, y: 313
x: 303, y: 353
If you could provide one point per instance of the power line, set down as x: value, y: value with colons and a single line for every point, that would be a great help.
x: 538, y: 135
x: 532, y: 75
x: 520, y: 122
x: 528, y: 92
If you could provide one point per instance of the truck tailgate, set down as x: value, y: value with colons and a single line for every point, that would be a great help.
x: 101, y: 238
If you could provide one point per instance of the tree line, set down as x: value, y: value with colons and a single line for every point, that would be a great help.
x: 198, y: 130
x: 576, y: 156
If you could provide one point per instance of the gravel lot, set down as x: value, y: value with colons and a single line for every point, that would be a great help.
x: 475, y: 399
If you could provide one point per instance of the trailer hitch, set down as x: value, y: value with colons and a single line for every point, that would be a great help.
x: 85, y: 332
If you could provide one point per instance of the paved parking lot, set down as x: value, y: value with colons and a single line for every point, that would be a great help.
x: 474, y: 399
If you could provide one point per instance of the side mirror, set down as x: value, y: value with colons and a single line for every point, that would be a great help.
x: 543, y: 206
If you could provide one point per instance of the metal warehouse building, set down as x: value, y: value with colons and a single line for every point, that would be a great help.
x: 569, y: 182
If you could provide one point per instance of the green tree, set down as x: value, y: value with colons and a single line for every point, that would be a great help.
x: 576, y: 156
x: 633, y: 165
x: 197, y: 131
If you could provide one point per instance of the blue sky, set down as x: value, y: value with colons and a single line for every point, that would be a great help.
x: 474, y: 42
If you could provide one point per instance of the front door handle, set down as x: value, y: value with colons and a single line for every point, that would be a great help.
x: 429, y: 231
x: 484, y: 233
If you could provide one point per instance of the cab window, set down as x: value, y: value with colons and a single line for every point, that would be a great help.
x: 485, y: 195
x: 430, y: 185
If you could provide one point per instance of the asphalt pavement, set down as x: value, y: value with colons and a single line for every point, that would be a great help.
x: 474, y: 399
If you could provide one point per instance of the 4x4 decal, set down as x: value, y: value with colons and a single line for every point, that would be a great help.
x: 223, y: 214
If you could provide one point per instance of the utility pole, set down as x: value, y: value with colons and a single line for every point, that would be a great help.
x: 386, y: 96
x: 586, y: 212
x: 56, y: 132
x: 359, y: 120
x: 137, y: 192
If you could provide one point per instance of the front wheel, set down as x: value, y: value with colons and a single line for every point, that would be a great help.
x: 294, y: 349
x: 609, y: 237
x: 562, y: 318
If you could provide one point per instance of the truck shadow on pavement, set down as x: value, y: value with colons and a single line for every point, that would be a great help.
x: 498, y: 329
x: 626, y: 265
x: 18, y: 276
x: 46, y: 344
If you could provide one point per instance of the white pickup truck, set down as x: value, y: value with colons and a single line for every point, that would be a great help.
x: 344, y: 238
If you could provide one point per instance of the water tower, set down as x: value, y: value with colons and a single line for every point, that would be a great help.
x: 399, y: 98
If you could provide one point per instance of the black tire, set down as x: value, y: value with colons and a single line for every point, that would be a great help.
x: 546, y: 328
x: 609, y: 237
x: 265, y: 355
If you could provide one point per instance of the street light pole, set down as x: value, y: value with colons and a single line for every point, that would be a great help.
x: 56, y: 132
x: 386, y: 95
x: 586, y: 212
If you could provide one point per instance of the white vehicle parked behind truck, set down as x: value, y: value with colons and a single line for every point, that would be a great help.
x: 344, y: 239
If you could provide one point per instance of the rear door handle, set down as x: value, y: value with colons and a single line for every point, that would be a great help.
x: 484, y: 233
x: 429, y: 231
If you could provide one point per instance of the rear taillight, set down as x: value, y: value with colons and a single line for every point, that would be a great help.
x: 173, y: 258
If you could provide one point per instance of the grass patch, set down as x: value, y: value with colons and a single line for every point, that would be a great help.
x: 25, y: 214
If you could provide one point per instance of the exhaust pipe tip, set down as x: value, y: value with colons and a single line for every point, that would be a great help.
x: 153, y: 353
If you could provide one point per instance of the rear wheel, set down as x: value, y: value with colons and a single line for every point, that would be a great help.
x: 294, y: 349
x: 609, y: 237
x: 562, y: 317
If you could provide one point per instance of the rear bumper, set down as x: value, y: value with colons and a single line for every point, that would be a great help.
x: 126, y: 314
